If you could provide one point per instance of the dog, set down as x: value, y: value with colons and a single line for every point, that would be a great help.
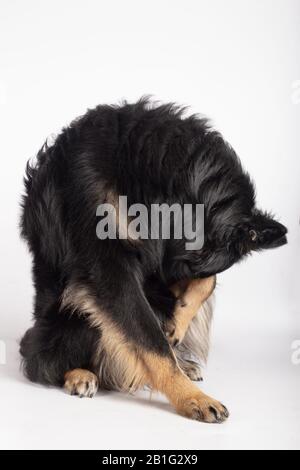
x: 125, y: 313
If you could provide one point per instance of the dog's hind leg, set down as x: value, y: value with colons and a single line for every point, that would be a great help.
x: 191, y: 296
x: 192, y: 353
x: 57, y: 343
x: 134, y: 350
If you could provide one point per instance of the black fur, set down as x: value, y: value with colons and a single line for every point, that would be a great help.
x: 152, y: 155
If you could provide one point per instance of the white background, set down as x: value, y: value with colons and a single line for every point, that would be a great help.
x: 238, y: 61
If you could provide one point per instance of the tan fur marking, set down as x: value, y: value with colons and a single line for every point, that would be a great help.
x: 191, y: 296
x: 122, y: 220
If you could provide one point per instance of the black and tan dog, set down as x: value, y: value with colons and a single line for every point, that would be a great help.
x: 119, y: 313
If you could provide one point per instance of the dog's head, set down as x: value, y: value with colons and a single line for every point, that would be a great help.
x: 233, y: 226
x: 258, y: 231
x: 263, y: 232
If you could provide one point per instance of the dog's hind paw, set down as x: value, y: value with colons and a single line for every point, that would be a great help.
x: 81, y: 382
x: 193, y: 371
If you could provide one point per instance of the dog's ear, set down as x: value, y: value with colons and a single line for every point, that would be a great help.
x: 265, y: 232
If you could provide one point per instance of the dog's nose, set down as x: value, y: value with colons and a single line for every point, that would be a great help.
x: 284, y: 230
x: 276, y: 236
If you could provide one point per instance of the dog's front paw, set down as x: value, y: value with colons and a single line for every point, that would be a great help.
x: 175, y: 331
x: 81, y: 382
x: 203, y: 408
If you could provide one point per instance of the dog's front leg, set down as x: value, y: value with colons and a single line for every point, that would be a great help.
x: 190, y: 297
x: 139, y: 353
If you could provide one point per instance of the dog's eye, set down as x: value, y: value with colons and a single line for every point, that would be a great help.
x: 253, y: 235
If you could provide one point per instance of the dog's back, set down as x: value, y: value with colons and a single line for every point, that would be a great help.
x: 150, y: 154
